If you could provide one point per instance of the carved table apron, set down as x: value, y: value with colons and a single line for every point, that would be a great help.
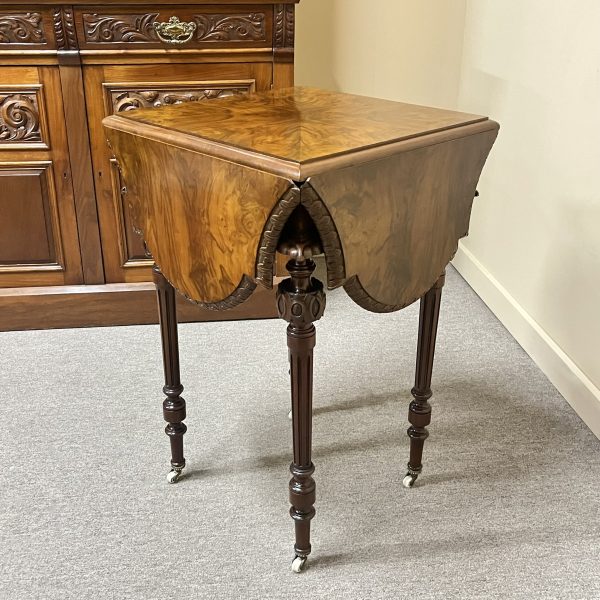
x: 383, y: 189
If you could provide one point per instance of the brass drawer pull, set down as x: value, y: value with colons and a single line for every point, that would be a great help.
x: 174, y: 31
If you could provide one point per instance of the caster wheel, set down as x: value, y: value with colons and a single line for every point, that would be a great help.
x: 174, y: 476
x: 409, y: 480
x: 299, y: 564
x: 290, y: 415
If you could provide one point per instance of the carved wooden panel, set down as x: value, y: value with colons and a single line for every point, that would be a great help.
x: 108, y: 29
x: 250, y: 27
x: 64, y: 28
x: 283, y: 36
x: 29, y: 227
x: 149, y: 95
x: 22, y: 122
x: 21, y: 28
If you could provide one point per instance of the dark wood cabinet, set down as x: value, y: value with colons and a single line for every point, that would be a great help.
x: 69, y: 255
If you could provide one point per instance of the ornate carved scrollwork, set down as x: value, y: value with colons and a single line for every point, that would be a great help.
x: 111, y: 29
x: 64, y: 28
x: 19, y: 118
x: 241, y: 294
x: 107, y: 29
x: 265, y: 259
x: 329, y: 238
x: 332, y: 246
x: 21, y: 28
x: 231, y: 28
x: 123, y: 100
x: 283, y: 36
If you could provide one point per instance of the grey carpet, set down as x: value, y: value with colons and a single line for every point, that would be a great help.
x: 507, y: 506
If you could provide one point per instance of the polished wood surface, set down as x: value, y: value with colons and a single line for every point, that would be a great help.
x: 300, y: 302
x: 202, y: 218
x: 63, y: 218
x: 174, y: 404
x: 125, y: 89
x: 419, y: 410
x: 389, y: 214
x: 384, y: 190
x: 295, y: 126
x: 400, y: 218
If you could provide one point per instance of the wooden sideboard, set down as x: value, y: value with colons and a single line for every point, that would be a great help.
x: 68, y: 253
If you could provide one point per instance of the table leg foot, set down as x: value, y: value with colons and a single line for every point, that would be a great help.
x: 299, y: 564
x: 173, y: 405
x: 419, y: 412
x: 174, y: 475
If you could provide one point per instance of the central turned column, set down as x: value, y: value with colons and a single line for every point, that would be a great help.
x: 301, y: 301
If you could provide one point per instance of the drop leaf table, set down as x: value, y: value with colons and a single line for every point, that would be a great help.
x: 383, y: 189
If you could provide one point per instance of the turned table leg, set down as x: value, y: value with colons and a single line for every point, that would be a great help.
x: 174, y: 404
x: 301, y: 301
x: 419, y: 411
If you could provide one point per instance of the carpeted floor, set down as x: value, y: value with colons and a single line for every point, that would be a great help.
x: 508, y: 505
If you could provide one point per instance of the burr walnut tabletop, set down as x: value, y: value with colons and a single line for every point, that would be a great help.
x: 383, y: 189
x: 390, y: 188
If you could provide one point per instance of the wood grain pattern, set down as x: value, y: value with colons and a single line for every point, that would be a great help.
x: 104, y: 85
x: 388, y: 226
x: 202, y: 218
x: 295, y: 127
x: 400, y: 218
x: 28, y: 201
x: 45, y: 119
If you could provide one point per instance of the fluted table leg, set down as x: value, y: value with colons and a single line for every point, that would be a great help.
x: 174, y: 404
x: 419, y: 412
x: 301, y: 301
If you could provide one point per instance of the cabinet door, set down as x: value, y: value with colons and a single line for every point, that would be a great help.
x: 38, y: 229
x: 114, y: 88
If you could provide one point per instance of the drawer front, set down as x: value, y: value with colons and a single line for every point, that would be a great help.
x: 26, y: 28
x: 174, y: 27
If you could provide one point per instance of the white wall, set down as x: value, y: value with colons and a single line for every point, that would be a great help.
x: 535, y: 231
x: 396, y: 49
x: 534, y: 250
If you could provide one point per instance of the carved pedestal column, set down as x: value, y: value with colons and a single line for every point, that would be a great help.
x: 419, y: 412
x: 174, y: 404
x: 301, y: 302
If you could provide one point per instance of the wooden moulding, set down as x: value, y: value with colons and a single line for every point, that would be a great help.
x: 293, y: 170
x: 115, y: 304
